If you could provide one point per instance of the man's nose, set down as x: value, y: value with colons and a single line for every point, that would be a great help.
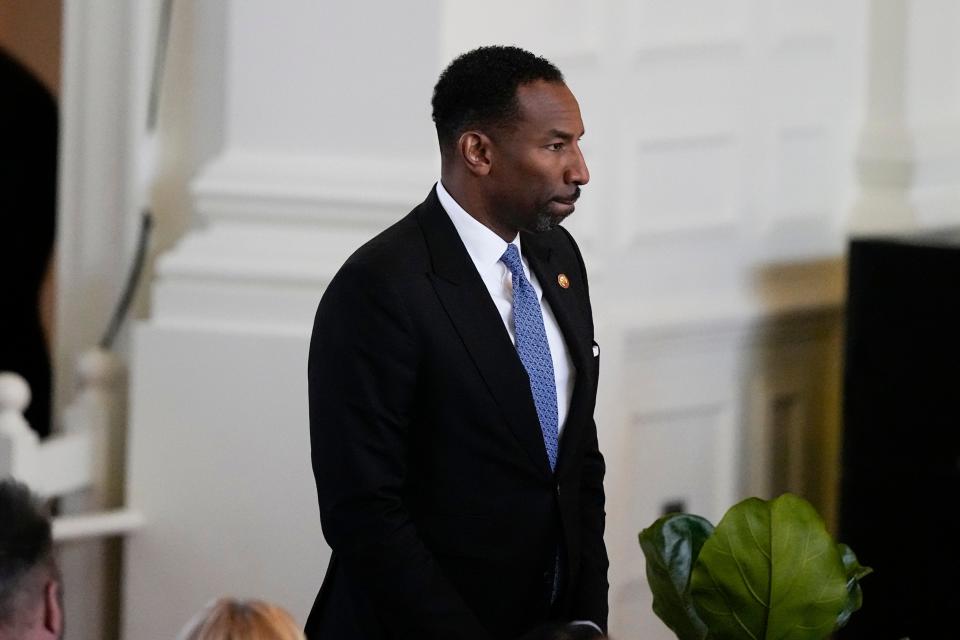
x: 578, y: 173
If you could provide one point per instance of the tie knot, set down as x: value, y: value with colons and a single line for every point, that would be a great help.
x: 511, y: 258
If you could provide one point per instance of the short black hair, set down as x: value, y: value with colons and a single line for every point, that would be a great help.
x: 26, y: 542
x: 480, y: 88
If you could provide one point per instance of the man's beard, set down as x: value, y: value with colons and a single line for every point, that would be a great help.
x: 547, y: 222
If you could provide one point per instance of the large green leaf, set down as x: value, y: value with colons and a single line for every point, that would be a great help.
x: 770, y: 571
x: 854, y: 571
x: 671, y: 545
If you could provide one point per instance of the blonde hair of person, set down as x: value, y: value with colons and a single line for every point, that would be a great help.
x: 230, y: 619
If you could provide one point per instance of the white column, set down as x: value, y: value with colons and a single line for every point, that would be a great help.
x: 107, y: 54
x: 909, y: 158
x: 326, y: 138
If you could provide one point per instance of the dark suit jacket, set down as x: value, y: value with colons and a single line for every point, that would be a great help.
x: 435, y: 491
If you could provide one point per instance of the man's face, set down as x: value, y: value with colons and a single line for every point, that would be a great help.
x: 537, y: 167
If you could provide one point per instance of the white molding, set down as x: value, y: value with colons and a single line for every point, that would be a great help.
x: 659, y: 36
x: 237, y: 254
x: 812, y: 40
x: 273, y: 187
x: 670, y: 48
x: 271, y: 278
x: 277, y: 227
x: 97, y: 525
x: 722, y: 417
x: 719, y: 217
x: 774, y: 292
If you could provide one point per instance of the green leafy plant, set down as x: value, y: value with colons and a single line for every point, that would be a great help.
x: 768, y: 570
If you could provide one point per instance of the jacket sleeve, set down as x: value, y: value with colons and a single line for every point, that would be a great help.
x: 362, y: 377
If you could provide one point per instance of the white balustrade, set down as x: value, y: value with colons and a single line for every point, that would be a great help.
x: 85, y: 458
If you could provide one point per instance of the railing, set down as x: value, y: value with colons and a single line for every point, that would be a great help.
x: 83, y: 461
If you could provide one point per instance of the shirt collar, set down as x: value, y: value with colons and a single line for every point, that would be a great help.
x: 484, y: 246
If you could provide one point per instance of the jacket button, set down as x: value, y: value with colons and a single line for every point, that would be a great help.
x: 558, y: 490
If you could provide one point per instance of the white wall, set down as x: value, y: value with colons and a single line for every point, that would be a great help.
x: 310, y: 165
x: 728, y: 156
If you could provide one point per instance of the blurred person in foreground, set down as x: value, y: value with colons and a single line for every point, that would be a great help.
x: 31, y: 600
x: 229, y: 619
x: 452, y: 383
x: 28, y: 204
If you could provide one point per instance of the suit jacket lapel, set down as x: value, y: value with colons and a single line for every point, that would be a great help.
x: 467, y: 302
x: 567, y: 305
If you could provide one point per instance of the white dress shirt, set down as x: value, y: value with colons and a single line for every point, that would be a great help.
x: 485, y: 248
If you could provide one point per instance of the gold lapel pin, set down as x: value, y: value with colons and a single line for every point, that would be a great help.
x: 563, y: 281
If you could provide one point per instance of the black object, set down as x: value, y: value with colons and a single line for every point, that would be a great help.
x: 130, y: 287
x: 901, y: 453
x: 673, y: 506
x: 28, y: 204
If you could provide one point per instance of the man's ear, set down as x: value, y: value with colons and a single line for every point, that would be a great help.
x: 475, y: 149
x: 53, y: 608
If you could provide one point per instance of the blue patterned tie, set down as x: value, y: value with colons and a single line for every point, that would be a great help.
x: 534, y: 350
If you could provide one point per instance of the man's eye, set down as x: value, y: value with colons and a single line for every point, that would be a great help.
x: 556, y: 146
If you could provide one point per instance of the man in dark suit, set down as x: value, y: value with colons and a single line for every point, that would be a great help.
x: 453, y: 377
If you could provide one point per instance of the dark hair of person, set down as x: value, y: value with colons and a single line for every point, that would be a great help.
x: 479, y: 88
x: 26, y: 542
